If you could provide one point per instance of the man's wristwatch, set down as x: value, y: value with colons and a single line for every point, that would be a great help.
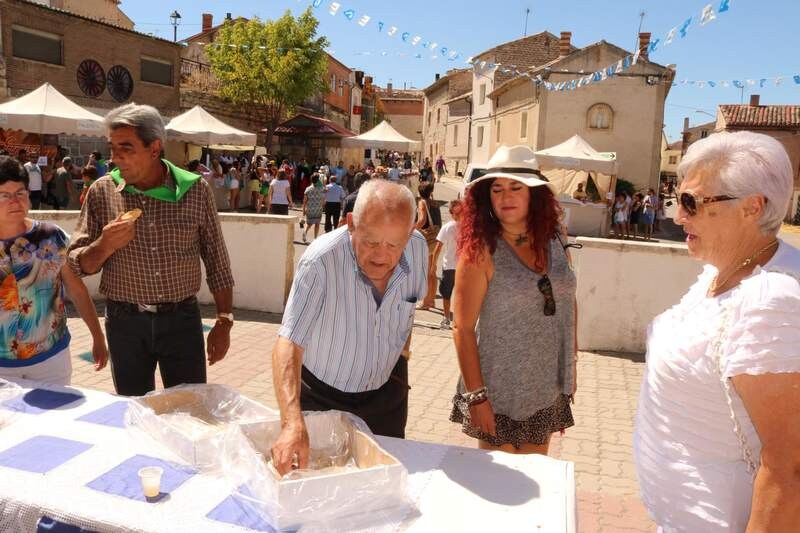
x: 225, y: 317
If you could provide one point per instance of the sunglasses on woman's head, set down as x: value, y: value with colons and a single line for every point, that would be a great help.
x: 689, y: 201
x: 546, y: 288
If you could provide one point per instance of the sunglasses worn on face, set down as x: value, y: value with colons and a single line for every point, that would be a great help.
x: 546, y: 288
x: 689, y: 201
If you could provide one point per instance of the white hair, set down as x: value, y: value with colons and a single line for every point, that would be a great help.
x: 747, y: 163
x: 384, y: 197
x: 145, y: 119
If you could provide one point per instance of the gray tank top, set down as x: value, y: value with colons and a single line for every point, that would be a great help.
x: 526, y: 358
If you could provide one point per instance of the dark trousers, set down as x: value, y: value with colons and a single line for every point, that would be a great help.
x: 59, y: 203
x: 385, y: 410
x: 332, y: 212
x: 137, y: 341
x: 279, y: 209
x: 35, y: 198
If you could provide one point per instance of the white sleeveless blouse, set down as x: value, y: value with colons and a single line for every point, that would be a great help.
x: 692, y: 467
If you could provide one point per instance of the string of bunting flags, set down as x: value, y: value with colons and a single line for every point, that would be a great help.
x: 707, y: 15
x: 437, y: 50
x: 777, y: 81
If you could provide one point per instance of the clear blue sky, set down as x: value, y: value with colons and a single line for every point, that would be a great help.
x: 753, y: 40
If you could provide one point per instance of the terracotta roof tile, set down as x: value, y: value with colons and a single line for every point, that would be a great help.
x: 761, y: 117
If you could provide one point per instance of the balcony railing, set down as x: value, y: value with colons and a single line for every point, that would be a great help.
x: 199, y: 76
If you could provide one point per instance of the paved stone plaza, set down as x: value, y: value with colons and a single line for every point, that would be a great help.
x: 599, y: 444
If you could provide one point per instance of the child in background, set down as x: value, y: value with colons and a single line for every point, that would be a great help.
x: 447, y: 240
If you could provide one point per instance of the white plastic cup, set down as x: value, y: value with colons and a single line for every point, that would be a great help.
x: 150, y: 477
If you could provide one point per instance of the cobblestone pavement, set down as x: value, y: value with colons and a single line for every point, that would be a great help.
x: 599, y: 444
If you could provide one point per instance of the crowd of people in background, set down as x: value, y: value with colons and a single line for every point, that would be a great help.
x: 54, y: 185
x: 638, y: 215
x: 325, y: 191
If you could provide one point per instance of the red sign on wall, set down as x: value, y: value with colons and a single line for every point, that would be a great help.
x: 356, y: 109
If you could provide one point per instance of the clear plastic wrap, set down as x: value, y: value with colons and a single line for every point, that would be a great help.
x: 8, y: 391
x: 195, y: 421
x: 352, y: 483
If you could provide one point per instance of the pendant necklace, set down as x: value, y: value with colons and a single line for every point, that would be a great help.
x: 519, y: 239
x: 716, y: 284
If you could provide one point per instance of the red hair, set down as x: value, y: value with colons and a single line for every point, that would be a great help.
x: 480, y: 229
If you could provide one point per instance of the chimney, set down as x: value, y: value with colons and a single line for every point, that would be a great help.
x: 389, y: 88
x: 228, y: 16
x: 360, y: 78
x: 755, y: 100
x: 644, y: 44
x: 685, y: 123
x: 437, y: 77
x: 565, y: 44
x: 208, y: 22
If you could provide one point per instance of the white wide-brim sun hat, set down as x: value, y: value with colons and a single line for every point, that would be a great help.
x: 515, y: 163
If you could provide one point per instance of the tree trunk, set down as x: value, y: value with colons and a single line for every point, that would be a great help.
x: 796, y: 220
x: 270, y: 133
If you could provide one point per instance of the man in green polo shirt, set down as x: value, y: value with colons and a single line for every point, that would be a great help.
x: 146, y: 226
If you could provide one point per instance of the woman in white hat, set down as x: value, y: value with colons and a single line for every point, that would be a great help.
x: 515, y: 309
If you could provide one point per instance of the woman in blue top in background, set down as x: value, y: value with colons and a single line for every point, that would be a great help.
x: 34, y: 340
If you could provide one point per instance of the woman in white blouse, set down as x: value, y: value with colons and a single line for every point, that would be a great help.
x: 717, y: 439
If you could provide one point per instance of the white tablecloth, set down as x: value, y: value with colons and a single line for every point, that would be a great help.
x: 455, y: 489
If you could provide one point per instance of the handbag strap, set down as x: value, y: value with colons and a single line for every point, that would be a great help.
x: 751, y: 463
x: 716, y: 355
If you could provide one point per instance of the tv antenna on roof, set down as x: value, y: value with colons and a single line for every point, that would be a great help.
x: 527, y: 12
x: 642, y: 14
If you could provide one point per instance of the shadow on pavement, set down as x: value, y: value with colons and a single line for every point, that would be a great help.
x: 632, y: 357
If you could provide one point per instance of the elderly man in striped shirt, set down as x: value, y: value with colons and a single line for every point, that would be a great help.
x: 344, y: 342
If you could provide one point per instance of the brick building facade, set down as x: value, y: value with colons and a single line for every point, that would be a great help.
x: 436, y: 109
x: 95, y: 64
x: 403, y: 110
x: 523, y: 54
x: 62, y: 41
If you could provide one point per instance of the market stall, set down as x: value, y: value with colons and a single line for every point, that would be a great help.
x: 315, y: 139
x: 43, y: 112
x: 66, y: 455
x: 385, y: 137
x: 575, y: 161
x: 189, y: 132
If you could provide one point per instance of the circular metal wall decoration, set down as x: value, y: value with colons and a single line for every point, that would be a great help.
x: 91, y: 78
x: 120, y: 83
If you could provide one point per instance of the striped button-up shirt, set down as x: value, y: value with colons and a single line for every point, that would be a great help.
x: 351, y: 342
x: 162, y: 262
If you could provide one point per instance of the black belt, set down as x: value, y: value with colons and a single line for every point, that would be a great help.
x: 152, y: 308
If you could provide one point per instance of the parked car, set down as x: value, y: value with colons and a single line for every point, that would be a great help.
x: 472, y: 173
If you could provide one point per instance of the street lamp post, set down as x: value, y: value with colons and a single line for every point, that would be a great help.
x: 175, y: 17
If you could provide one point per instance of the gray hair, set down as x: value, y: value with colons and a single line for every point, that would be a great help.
x: 386, y: 198
x: 144, y: 118
x: 747, y: 163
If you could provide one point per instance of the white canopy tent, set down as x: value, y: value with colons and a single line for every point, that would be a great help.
x: 47, y: 111
x: 573, y: 161
x: 198, y: 126
x: 383, y: 137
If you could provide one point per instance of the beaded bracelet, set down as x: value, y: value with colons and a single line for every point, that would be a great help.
x: 477, y: 396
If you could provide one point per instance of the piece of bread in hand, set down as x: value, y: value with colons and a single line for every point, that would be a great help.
x: 133, y: 214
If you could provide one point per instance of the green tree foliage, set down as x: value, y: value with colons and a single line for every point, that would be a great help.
x: 269, y: 67
x: 625, y: 186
